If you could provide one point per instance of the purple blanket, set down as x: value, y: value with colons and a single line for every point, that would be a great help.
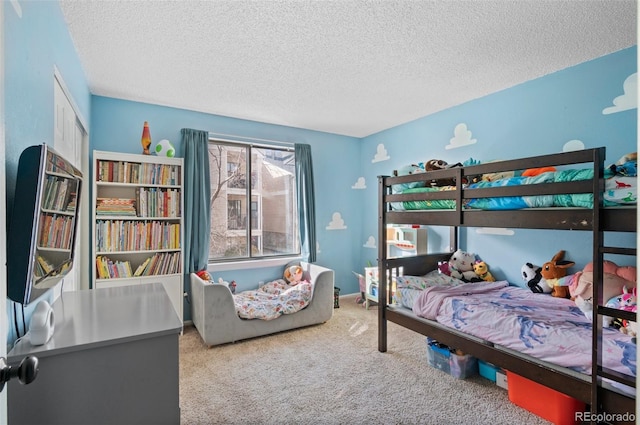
x: 548, y: 328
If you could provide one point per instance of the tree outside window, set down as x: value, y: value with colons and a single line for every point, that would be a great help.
x: 254, y: 212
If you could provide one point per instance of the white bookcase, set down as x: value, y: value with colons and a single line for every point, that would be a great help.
x: 137, y: 222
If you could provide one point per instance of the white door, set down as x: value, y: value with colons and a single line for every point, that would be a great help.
x: 70, y: 139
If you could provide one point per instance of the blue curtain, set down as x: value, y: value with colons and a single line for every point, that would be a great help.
x: 306, y: 201
x: 197, y: 195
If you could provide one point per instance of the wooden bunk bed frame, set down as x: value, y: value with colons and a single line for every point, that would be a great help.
x: 589, y: 389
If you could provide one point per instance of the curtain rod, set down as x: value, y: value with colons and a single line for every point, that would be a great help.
x: 250, y: 138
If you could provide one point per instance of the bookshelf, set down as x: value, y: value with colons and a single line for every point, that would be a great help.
x: 137, y: 222
x: 57, y: 216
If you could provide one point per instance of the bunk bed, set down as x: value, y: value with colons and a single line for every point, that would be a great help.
x: 452, y: 207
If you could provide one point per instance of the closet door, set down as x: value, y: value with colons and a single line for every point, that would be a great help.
x: 69, y: 140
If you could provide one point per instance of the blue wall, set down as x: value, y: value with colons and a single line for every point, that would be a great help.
x: 534, y: 118
x: 36, y: 42
x: 117, y: 126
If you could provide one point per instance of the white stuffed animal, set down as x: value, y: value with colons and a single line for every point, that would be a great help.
x: 532, y: 276
x: 461, y: 266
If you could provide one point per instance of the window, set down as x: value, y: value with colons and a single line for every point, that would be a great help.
x: 254, y: 213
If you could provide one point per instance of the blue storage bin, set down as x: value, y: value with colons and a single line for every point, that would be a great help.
x: 487, y: 370
x: 438, y: 357
x: 462, y: 366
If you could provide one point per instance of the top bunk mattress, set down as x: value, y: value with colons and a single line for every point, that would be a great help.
x: 619, y: 191
x: 556, y: 191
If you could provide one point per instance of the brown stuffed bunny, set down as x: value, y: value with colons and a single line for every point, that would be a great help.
x: 553, y: 271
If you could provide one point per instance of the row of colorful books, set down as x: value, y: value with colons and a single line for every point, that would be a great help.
x: 108, y: 269
x: 140, y: 173
x: 158, y: 264
x: 155, y: 202
x: 124, y: 235
x: 57, y: 193
x: 55, y: 231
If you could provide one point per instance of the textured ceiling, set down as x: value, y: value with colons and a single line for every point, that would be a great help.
x: 345, y: 67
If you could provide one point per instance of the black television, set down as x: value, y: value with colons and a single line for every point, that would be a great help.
x: 42, y: 228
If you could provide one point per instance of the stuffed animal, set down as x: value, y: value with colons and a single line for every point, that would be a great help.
x: 438, y: 164
x: 627, y: 165
x: 554, y: 271
x: 628, y: 299
x: 204, y: 275
x: 615, y: 278
x: 409, y: 170
x: 443, y: 267
x: 293, y: 275
x: 461, y: 266
x: 482, y: 270
x: 532, y: 276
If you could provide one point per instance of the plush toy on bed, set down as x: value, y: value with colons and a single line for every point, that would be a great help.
x: 626, y: 166
x: 482, y: 270
x: 438, y: 164
x: 293, y: 275
x: 615, y: 278
x: 627, y: 301
x: 555, y: 273
x: 204, y: 275
x: 461, y: 266
x: 532, y: 276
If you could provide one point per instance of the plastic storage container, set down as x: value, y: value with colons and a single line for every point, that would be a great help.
x: 438, y: 356
x: 487, y: 370
x: 462, y: 366
x: 547, y: 403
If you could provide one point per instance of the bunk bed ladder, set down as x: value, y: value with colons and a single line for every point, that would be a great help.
x: 599, y: 250
x: 383, y: 190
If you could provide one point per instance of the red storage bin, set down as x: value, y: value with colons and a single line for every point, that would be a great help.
x: 543, y: 401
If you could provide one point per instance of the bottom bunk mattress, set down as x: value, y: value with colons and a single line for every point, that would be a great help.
x: 550, y: 329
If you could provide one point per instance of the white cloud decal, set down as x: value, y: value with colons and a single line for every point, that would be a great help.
x: 337, y: 223
x: 381, y: 154
x: 371, y: 242
x: 360, y: 184
x: 628, y: 100
x: 462, y: 137
x: 573, y: 145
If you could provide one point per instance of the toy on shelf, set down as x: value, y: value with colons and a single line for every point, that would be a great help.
x: 146, y: 139
x: 165, y: 148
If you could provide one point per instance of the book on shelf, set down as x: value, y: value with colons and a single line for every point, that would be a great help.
x: 160, y: 263
x: 71, y: 206
x: 116, y: 206
x: 43, y: 266
x: 108, y: 269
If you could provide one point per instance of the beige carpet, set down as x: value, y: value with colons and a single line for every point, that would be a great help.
x: 332, y: 374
